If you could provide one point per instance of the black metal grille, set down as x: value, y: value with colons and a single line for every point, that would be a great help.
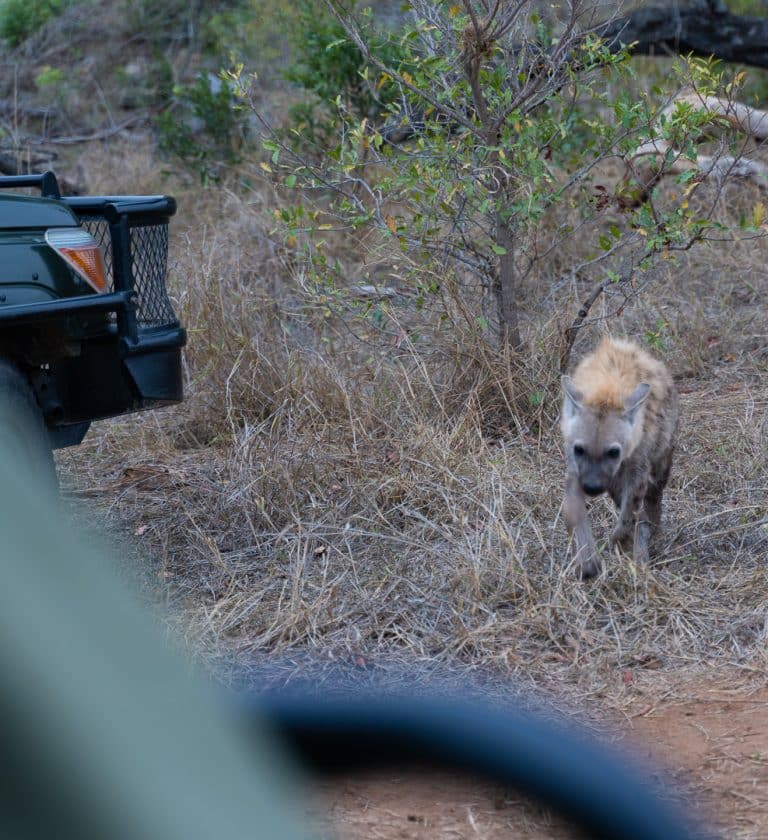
x: 99, y: 230
x: 149, y: 258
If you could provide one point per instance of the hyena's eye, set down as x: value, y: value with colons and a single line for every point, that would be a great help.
x: 613, y: 452
x: 578, y: 450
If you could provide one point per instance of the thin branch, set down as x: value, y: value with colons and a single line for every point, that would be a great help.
x: 473, y: 51
x: 479, y: 30
x: 354, y: 35
x: 572, y: 331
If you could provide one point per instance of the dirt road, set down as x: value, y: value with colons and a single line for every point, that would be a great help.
x: 709, y: 737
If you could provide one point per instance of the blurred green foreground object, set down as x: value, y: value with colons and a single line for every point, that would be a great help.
x: 103, y: 732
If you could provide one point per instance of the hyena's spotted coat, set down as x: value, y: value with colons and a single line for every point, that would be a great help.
x: 619, y: 421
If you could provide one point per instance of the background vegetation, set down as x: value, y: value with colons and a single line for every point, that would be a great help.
x: 364, y: 481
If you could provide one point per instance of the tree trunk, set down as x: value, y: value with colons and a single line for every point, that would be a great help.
x: 506, y: 289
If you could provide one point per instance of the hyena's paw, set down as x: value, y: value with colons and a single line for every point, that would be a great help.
x: 641, y: 548
x: 587, y: 567
x: 621, y: 537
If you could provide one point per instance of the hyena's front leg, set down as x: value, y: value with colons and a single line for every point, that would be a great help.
x: 632, y: 521
x: 640, y: 513
x: 653, y: 496
x: 649, y: 520
x: 586, y: 558
x: 642, y: 543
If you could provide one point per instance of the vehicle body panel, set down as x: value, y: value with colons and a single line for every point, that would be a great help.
x: 24, y: 211
x: 31, y: 269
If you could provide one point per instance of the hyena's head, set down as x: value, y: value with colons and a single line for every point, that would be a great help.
x: 598, y: 439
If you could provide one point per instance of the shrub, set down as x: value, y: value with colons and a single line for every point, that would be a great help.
x: 204, y: 128
x: 329, y: 65
x: 21, y: 18
x: 492, y: 142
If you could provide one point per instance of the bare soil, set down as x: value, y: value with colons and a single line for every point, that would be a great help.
x: 709, y: 739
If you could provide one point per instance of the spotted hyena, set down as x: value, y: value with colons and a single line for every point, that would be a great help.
x: 619, y: 420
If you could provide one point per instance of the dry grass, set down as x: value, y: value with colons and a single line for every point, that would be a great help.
x: 376, y: 510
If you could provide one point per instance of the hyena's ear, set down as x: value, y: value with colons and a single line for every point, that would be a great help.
x: 633, y: 402
x: 573, y: 396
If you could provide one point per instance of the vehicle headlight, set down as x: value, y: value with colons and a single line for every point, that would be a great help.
x: 82, y: 254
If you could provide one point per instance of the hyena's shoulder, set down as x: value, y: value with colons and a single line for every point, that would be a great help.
x: 615, y: 368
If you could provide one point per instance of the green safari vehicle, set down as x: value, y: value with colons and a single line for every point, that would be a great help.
x: 87, y: 330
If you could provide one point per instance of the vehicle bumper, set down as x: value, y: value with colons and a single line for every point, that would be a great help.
x: 111, y: 376
x: 107, y: 371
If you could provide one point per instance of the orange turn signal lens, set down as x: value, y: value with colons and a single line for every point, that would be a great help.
x: 82, y: 254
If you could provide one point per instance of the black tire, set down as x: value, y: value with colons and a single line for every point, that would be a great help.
x: 22, y: 429
x: 596, y: 787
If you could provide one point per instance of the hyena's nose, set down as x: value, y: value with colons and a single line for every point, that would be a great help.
x: 593, y: 489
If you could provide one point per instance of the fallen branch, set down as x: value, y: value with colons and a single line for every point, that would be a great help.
x: 14, y: 107
x: 707, y: 165
x: 749, y: 121
x: 103, y: 134
x: 745, y: 118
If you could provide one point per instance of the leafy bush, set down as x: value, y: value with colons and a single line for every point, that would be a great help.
x: 204, y: 128
x: 328, y: 64
x: 21, y: 18
x: 201, y: 121
x: 211, y: 28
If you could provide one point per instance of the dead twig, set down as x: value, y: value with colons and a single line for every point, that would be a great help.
x: 75, y: 139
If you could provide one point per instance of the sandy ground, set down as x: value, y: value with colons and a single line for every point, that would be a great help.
x: 707, y: 737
